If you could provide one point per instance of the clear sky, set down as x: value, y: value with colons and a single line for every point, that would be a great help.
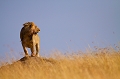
x: 66, y: 25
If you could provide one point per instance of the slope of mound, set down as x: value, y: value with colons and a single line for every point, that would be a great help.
x: 29, y: 61
x: 36, y: 60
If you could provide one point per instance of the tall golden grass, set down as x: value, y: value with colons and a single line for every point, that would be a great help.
x: 100, y: 64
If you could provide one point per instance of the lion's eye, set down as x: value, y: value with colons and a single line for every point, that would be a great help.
x: 30, y: 26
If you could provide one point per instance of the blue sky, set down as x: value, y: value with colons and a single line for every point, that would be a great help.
x: 66, y: 25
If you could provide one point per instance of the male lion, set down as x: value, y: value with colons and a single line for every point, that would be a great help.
x: 29, y: 38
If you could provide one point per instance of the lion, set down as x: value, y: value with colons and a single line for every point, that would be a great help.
x: 30, y: 38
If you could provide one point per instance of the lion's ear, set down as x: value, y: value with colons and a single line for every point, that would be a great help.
x: 32, y: 23
x: 25, y: 24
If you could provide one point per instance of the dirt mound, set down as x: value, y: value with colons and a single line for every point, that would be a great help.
x: 36, y: 60
x: 26, y: 67
x: 30, y: 62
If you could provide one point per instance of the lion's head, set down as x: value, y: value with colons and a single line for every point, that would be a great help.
x: 31, y: 28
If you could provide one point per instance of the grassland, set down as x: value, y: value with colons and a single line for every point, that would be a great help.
x: 103, y: 64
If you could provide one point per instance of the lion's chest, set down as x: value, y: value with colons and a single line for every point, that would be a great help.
x: 29, y: 41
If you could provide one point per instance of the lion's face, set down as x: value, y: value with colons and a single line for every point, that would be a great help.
x: 31, y: 28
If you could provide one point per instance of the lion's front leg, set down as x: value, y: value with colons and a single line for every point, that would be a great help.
x: 25, y: 50
x: 37, y: 50
x: 32, y: 51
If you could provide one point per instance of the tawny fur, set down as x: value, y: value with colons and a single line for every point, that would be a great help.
x: 30, y: 38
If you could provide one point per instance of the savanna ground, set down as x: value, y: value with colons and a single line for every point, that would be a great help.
x: 100, y: 64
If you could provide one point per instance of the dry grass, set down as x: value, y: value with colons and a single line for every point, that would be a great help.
x: 99, y: 65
